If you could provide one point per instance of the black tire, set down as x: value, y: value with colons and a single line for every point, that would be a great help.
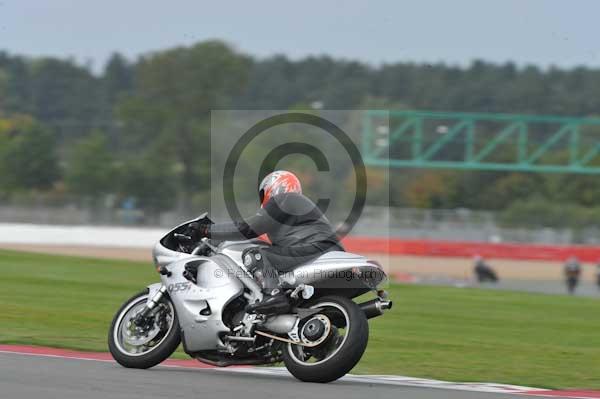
x: 150, y: 359
x: 347, y: 356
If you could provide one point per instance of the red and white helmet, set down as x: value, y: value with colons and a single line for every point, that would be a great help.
x: 278, y: 182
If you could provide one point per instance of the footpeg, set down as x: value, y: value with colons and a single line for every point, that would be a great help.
x: 306, y: 290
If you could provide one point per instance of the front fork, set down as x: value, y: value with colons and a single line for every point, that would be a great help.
x: 153, y: 301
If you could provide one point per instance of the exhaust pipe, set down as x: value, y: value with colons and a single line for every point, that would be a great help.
x: 375, y: 307
x: 281, y: 324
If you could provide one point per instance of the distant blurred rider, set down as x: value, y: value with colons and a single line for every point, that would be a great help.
x: 297, y: 229
x: 483, y: 271
x: 572, y: 271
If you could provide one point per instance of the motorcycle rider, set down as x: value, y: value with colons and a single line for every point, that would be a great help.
x: 572, y: 270
x: 296, y: 227
x: 483, y: 271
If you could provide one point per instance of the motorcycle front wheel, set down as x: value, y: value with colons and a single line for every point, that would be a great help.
x: 142, y: 345
x: 341, y: 331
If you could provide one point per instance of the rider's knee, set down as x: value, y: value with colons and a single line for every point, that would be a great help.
x: 253, y: 259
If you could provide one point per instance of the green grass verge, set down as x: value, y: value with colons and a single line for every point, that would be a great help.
x: 433, y: 332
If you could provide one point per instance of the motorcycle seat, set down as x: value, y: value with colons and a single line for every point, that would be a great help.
x: 332, y: 257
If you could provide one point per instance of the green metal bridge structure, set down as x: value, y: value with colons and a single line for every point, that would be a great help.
x: 480, y: 141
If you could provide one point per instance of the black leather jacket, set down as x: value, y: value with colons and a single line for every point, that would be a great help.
x: 289, y: 219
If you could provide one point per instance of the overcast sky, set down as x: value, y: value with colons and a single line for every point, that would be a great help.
x: 559, y: 32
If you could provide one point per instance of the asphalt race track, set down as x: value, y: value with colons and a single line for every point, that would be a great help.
x: 25, y: 377
x: 586, y: 288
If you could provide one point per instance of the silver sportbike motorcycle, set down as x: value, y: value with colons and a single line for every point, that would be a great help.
x: 205, y: 288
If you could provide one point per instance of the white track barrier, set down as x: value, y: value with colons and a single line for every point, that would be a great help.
x: 101, y: 236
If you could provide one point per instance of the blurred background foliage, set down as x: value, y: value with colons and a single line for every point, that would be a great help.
x: 139, y: 131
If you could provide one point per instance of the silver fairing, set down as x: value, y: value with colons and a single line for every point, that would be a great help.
x: 199, y: 306
x: 163, y: 256
x: 334, y: 266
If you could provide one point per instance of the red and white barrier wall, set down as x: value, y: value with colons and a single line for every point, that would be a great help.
x: 394, y: 246
x: 141, y: 237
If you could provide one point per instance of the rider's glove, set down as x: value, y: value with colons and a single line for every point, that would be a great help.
x: 197, y: 231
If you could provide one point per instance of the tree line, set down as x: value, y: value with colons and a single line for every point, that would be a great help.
x: 140, y: 124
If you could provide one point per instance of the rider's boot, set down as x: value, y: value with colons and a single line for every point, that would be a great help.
x: 274, y: 300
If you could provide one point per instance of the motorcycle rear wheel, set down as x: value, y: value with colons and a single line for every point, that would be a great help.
x: 337, y: 354
x: 155, y: 344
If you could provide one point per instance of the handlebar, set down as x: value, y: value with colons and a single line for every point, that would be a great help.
x: 182, y: 237
x: 204, y: 243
